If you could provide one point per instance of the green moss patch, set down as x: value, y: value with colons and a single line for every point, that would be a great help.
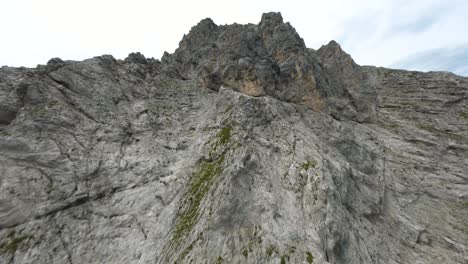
x: 13, y: 242
x: 464, y: 115
x: 200, y: 184
x: 224, y: 135
x: 309, y: 164
x: 184, y: 253
x: 222, y: 138
x: 309, y: 257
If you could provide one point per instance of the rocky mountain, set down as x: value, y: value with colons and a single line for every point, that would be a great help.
x: 243, y: 146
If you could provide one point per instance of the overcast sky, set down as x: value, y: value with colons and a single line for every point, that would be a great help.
x: 374, y: 32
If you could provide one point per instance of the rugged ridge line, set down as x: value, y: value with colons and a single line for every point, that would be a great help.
x: 243, y: 146
x: 266, y: 59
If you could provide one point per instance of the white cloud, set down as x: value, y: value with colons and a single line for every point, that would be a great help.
x: 377, y: 32
x: 444, y: 59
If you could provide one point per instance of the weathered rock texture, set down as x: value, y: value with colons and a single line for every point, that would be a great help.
x: 243, y: 146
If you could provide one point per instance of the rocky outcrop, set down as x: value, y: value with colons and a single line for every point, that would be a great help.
x: 265, y: 59
x: 243, y: 146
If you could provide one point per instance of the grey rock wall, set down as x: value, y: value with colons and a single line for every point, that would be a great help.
x: 243, y: 146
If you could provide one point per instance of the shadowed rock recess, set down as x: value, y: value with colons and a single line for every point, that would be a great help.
x: 243, y: 146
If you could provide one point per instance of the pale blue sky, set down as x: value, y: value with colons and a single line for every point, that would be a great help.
x: 375, y: 32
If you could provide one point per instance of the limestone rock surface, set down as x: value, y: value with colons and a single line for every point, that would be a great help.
x: 243, y: 146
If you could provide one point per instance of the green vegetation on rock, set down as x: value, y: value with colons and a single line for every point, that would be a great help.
x: 229, y: 108
x: 309, y: 164
x: 270, y: 250
x: 222, y: 138
x: 185, y: 253
x: 464, y: 115
x: 13, y: 242
x: 200, y: 184
x: 224, y: 135
x: 284, y: 258
x: 309, y: 257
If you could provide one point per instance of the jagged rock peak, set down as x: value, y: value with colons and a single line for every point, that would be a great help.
x: 271, y: 19
x: 265, y: 59
x: 332, y: 48
x: 206, y: 22
x: 54, y: 61
x: 136, y: 57
x: 333, y: 44
x: 205, y: 26
x: 204, y: 29
x: 333, y: 51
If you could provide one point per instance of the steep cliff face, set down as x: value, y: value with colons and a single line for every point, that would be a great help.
x: 243, y: 146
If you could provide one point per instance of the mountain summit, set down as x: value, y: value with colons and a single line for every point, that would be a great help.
x: 243, y: 146
x: 267, y: 59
